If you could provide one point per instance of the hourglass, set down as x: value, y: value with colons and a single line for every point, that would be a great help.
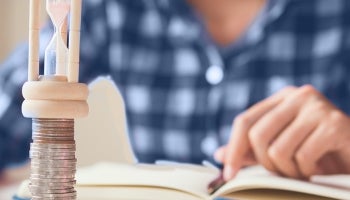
x: 56, y: 93
x: 56, y: 54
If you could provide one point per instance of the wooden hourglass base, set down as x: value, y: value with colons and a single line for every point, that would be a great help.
x: 54, y: 109
x: 54, y: 99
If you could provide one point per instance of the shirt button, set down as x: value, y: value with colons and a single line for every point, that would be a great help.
x: 214, y: 75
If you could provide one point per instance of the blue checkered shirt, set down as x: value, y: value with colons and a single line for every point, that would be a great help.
x: 182, y: 91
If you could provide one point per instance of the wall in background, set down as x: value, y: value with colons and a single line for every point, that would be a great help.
x: 14, y: 15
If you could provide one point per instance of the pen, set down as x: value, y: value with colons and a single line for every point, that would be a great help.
x: 216, y: 183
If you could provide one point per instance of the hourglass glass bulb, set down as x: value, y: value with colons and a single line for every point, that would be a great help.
x: 58, y: 10
x: 56, y: 54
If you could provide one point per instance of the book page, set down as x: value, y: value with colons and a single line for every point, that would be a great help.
x: 259, y: 178
x: 132, y: 193
x: 103, y: 135
x: 188, y: 178
x: 261, y: 194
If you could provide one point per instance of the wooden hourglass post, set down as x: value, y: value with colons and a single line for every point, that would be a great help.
x: 74, y: 41
x: 64, y: 31
x: 34, y: 32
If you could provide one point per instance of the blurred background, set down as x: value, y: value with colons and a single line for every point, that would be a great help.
x: 14, y: 15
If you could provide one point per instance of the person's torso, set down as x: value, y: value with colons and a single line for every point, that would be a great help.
x: 178, y: 105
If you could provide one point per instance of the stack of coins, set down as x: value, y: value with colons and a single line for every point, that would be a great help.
x: 53, y: 162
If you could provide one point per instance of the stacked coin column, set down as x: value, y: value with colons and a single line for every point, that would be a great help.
x: 53, y: 102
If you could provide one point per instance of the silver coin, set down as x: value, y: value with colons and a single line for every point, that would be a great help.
x: 48, y: 190
x: 53, y: 176
x: 60, y: 180
x: 37, y: 170
x: 48, y: 138
x: 53, y: 162
x: 54, y: 142
x: 71, y: 194
x: 53, y: 157
x: 54, y: 130
x: 35, y: 149
x: 50, y: 153
x: 54, y: 185
x: 48, y: 171
x: 58, y: 186
x: 52, y: 168
x: 54, y: 198
x: 35, y: 166
x: 71, y: 157
x: 53, y: 146
x: 49, y: 183
x: 48, y: 123
x: 54, y: 126
x: 52, y: 171
x: 53, y: 135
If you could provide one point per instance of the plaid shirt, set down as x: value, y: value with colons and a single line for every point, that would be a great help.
x: 182, y: 91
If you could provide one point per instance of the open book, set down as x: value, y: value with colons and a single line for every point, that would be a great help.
x: 112, y: 181
x: 181, y: 181
x: 122, y: 178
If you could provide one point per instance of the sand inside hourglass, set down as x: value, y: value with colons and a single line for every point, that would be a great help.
x: 58, y: 12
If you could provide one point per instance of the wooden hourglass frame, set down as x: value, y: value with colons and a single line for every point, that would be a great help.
x: 56, y: 93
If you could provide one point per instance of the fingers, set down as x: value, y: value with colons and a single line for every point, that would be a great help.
x: 219, y: 156
x: 323, y: 140
x: 282, y: 150
x: 269, y: 127
x: 290, y: 133
x: 239, y: 144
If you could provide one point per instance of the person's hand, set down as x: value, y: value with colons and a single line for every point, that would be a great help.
x: 296, y: 133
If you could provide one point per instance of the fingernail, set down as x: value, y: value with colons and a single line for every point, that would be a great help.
x: 228, y: 173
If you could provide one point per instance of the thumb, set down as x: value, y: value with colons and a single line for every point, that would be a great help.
x: 219, y: 154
